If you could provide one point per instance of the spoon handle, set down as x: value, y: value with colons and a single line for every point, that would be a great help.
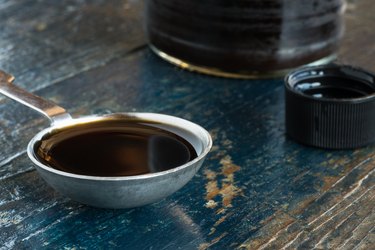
x: 49, y: 109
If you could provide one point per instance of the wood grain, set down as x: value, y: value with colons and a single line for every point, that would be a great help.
x: 44, y: 42
x: 257, y: 189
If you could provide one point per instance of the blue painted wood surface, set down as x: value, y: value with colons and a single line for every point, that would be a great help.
x: 256, y: 190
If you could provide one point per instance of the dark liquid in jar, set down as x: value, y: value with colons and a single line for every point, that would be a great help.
x: 245, y: 35
x: 114, y: 149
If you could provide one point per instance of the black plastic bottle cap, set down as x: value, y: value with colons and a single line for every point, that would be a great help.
x: 331, y: 106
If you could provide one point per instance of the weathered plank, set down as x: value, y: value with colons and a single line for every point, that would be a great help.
x: 44, y: 42
x: 336, y: 217
x: 257, y: 189
x: 252, y: 173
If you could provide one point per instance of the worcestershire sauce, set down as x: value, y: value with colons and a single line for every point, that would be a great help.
x: 114, y: 149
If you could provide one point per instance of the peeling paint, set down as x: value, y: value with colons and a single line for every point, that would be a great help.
x: 211, y: 204
x: 221, y: 186
x: 212, y: 190
x: 221, y: 220
x: 340, y: 208
x: 205, y: 246
x: 227, y: 190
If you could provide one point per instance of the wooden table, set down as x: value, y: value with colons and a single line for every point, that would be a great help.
x: 257, y: 189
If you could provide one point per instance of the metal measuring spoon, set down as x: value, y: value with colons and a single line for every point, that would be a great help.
x: 116, y: 191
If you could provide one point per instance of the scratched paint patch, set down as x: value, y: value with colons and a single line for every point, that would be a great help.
x: 225, y: 188
x: 221, y: 188
x: 337, y: 217
x: 205, y: 246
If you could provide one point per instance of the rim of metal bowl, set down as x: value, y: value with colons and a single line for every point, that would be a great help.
x: 161, y: 118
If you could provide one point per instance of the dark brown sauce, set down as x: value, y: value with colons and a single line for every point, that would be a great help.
x: 114, y: 149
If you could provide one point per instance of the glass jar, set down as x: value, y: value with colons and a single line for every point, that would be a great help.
x: 244, y: 38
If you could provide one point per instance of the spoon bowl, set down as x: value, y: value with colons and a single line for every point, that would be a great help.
x: 111, y: 191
